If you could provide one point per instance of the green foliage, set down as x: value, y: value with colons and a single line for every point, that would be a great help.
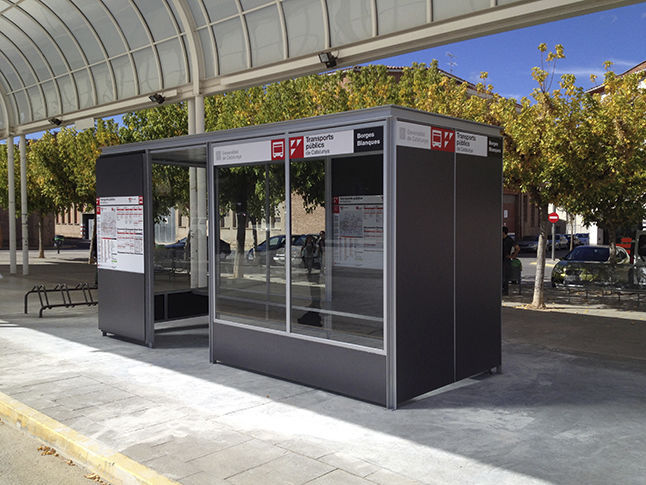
x: 610, y: 162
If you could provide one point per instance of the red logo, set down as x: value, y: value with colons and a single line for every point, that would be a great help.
x: 442, y: 139
x: 296, y: 147
x: 278, y: 149
x: 141, y: 200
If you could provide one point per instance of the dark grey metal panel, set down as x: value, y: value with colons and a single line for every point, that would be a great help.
x: 424, y: 262
x: 122, y: 295
x: 478, y: 263
x: 351, y: 372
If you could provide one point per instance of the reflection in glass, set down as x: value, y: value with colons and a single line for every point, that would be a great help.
x: 250, y: 284
x: 180, y: 256
x: 337, y: 249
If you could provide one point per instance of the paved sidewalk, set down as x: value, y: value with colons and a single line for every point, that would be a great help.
x: 568, y: 408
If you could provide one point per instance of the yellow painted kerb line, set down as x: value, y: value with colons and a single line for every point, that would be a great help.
x: 109, y: 464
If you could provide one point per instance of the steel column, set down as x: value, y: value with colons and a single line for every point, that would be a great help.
x: 12, y: 206
x: 23, y: 204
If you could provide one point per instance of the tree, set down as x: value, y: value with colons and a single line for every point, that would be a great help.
x: 611, y: 149
x: 538, y: 146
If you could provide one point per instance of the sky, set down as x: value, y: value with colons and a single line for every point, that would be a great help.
x: 617, y: 35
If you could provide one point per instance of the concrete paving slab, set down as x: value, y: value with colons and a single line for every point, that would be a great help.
x: 289, y: 469
x: 237, y: 459
x: 339, y: 477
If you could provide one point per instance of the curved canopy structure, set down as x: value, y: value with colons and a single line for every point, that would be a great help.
x: 67, y: 60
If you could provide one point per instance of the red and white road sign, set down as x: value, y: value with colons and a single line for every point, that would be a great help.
x: 553, y: 217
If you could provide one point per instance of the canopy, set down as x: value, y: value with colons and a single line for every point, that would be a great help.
x: 62, y: 61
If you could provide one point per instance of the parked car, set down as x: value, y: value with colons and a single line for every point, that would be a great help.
x: 562, y: 242
x: 587, y: 264
x: 258, y: 254
x: 180, y: 245
x: 530, y: 243
x: 584, y: 237
x: 577, y: 242
x: 297, y: 245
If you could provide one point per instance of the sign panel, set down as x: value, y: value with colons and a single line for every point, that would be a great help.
x: 413, y: 135
x: 337, y: 142
x: 553, y: 217
x: 252, y: 151
x: 120, y: 233
x: 358, y: 231
x: 447, y: 140
x: 471, y: 144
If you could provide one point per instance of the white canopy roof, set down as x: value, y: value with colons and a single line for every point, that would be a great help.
x: 79, y: 59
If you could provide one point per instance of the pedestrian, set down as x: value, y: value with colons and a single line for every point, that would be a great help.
x: 321, y: 246
x: 308, y: 252
x: 509, y: 251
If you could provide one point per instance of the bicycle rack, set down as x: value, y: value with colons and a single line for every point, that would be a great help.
x: 68, y: 296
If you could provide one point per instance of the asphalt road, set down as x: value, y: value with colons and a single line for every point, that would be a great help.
x: 21, y: 463
x: 529, y: 264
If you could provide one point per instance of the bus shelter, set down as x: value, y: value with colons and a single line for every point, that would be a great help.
x: 357, y: 252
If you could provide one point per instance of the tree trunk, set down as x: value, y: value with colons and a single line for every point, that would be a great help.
x: 238, y: 262
x: 612, y: 242
x: 92, y: 257
x: 41, y: 247
x: 539, y: 299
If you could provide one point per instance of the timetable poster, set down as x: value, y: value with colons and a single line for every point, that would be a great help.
x: 359, y: 231
x: 120, y: 233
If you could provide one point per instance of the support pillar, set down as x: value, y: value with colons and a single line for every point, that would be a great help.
x: 12, y: 205
x: 201, y: 199
x: 192, y: 206
x: 23, y: 204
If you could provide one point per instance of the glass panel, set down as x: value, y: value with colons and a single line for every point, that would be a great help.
x: 249, y: 4
x: 221, y: 9
x: 231, y: 46
x: 443, y: 9
x: 27, y: 48
x: 158, y: 19
x: 24, y: 114
x: 176, y: 17
x: 172, y: 63
x: 124, y: 77
x: 196, y: 10
x: 146, y: 70
x: 84, y: 89
x: 395, y: 15
x: 265, y: 35
x: 10, y: 74
x: 104, y: 26
x: 250, y: 286
x: 349, y: 21
x: 129, y: 23
x: 56, y: 29
x: 207, y: 48
x: 68, y: 93
x: 18, y: 62
x: 103, y: 83
x: 305, y: 32
x: 53, y: 108
x: 37, y: 105
x: 79, y: 29
x: 337, y: 250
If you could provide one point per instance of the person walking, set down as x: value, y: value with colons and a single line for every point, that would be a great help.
x: 308, y: 252
x: 509, y: 251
